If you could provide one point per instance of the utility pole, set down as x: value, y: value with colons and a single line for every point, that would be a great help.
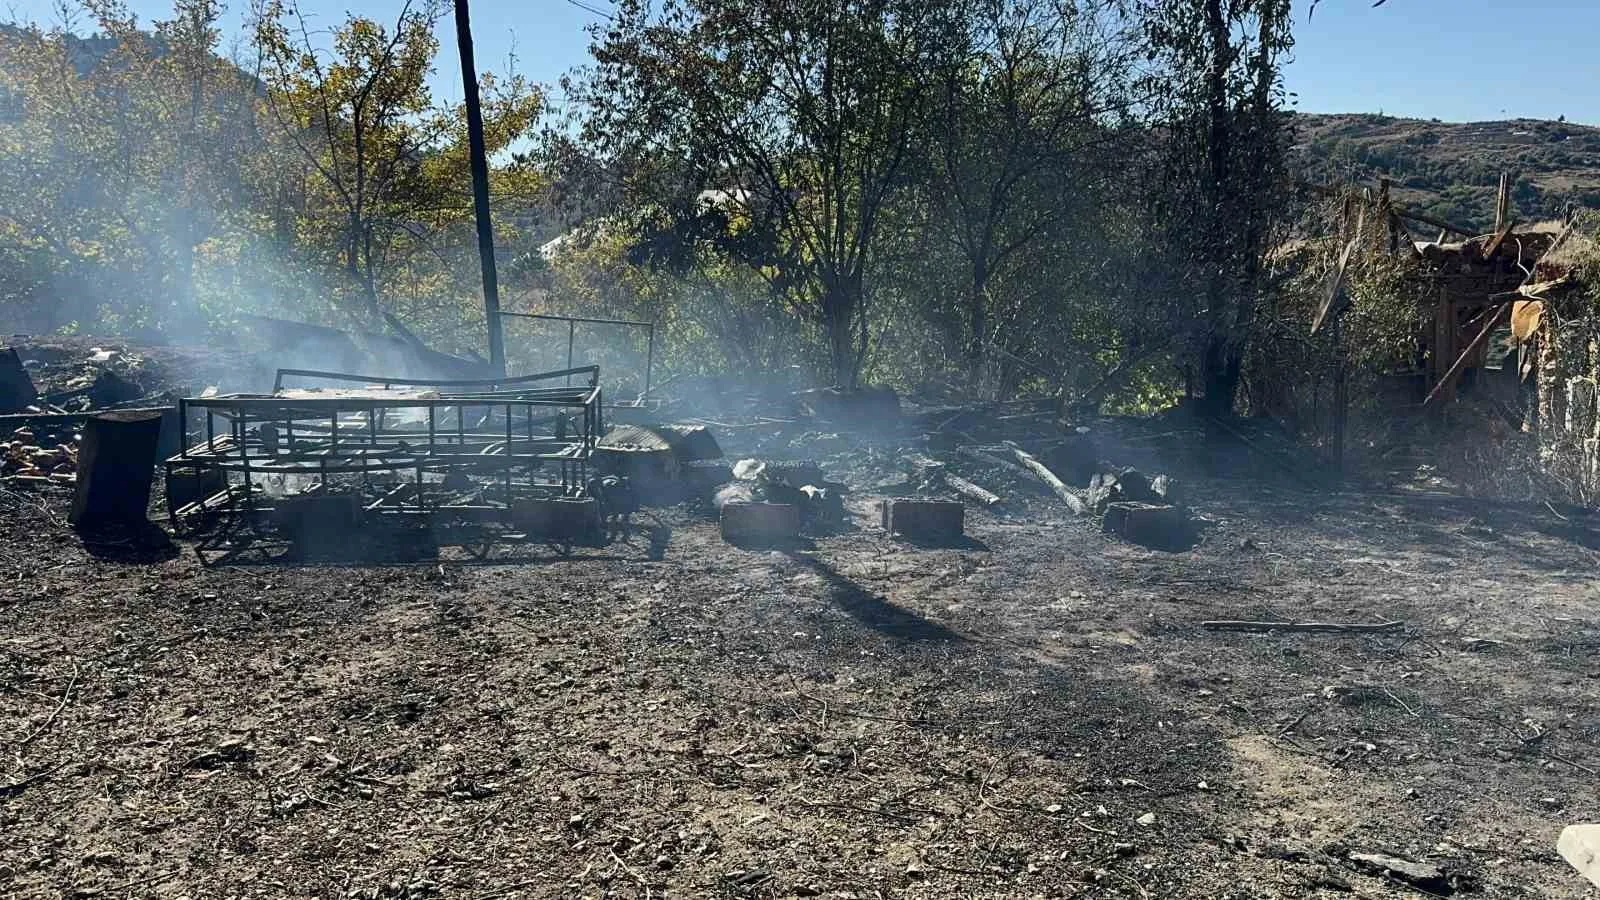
x: 480, y: 190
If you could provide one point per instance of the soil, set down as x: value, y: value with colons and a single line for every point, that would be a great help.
x: 1037, y: 712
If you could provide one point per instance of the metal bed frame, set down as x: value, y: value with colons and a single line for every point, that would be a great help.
x: 493, y: 440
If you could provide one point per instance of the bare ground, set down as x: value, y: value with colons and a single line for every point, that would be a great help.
x: 859, y: 719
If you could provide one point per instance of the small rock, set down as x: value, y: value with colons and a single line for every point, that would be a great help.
x: 1147, y: 819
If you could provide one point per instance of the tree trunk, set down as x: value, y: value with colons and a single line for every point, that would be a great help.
x: 978, y: 315
x: 840, y: 304
x: 1220, y: 376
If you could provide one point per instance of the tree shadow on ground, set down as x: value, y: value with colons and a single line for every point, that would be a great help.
x: 241, y: 544
x: 872, y: 610
x: 139, y: 544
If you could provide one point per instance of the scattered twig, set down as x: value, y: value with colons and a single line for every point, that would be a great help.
x: 54, y: 713
x: 1293, y: 725
x: 1409, y: 711
x: 1242, y: 625
x: 17, y: 787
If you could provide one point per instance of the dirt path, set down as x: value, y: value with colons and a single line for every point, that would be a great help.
x: 860, y: 719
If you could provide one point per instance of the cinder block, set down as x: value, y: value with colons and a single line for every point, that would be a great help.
x: 1158, y: 526
x: 924, y: 519
x: 571, y: 519
x: 317, y: 517
x: 749, y: 522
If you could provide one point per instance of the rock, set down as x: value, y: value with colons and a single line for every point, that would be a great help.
x: 1580, y: 846
x: 1074, y: 460
x: 1133, y: 485
x: 17, y: 392
x: 1147, y: 820
x: 1423, y: 876
x: 110, y: 389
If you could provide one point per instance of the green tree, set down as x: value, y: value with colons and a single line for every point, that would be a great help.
x: 123, y: 156
x: 1011, y: 160
x: 386, y: 192
x: 1219, y: 183
x: 800, y: 118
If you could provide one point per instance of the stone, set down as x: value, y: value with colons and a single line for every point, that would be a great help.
x: 1580, y: 846
x: 1424, y: 876
x: 1167, y: 489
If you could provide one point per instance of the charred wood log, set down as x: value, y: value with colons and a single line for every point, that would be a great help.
x: 116, y: 465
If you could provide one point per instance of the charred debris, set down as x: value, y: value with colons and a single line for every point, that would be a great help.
x: 547, y: 459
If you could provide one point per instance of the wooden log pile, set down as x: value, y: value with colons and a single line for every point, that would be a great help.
x: 39, y: 454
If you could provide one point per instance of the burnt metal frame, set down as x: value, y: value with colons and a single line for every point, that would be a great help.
x: 355, y: 435
x: 572, y: 332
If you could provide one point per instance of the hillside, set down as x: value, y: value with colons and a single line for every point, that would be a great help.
x: 1453, y: 169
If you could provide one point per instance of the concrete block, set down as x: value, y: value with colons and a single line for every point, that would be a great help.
x: 565, y: 519
x: 312, y: 518
x: 748, y: 522
x: 924, y: 519
x: 1158, y: 526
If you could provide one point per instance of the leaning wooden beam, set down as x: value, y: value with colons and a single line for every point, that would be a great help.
x: 1258, y: 627
x: 1499, y: 238
x: 1032, y: 464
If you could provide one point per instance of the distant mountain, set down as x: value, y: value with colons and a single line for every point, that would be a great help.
x: 1452, y: 170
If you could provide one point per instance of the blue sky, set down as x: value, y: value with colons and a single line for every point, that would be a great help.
x: 1461, y: 60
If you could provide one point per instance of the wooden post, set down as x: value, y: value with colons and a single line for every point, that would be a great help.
x: 116, y: 464
x: 480, y: 190
x: 1502, y: 202
x: 1341, y: 394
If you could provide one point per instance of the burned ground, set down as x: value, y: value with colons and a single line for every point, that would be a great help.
x: 1038, y: 713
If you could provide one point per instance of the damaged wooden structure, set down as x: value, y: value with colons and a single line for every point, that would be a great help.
x: 1505, y: 314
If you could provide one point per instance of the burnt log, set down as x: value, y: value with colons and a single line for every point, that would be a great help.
x: 1031, y: 463
x: 116, y: 466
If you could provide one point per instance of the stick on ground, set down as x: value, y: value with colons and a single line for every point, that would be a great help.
x: 1357, y: 628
